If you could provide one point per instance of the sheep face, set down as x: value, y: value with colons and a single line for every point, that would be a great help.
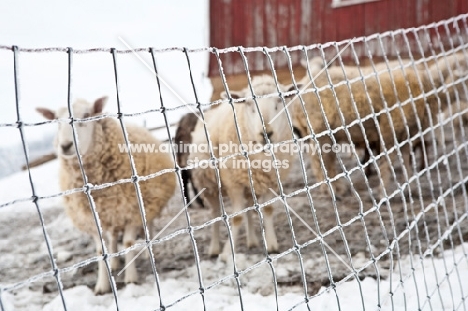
x: 315, y: 65
x: 270, y: 107
x: 64, y: 142
x: 458, y: 87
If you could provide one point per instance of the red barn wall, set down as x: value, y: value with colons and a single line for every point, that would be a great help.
x: 303, y: 22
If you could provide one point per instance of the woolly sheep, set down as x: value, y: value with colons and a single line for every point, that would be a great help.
x: 313, y: 66
x: 449, y: 66
x: 381, y: 94
x: 234, y: 177
x: 454, y: 71
x: 338, y: 73
x: 103, y: 162
x: 445, y: 74
x: 449, y: 72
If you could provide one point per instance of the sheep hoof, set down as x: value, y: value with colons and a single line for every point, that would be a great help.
x: 389, y: 190
x: 102, y: 287
x: 252, y: 242
x: 272, y: 247
x: 340, y: 188
x: 382, y: 193
x: 214, y: 250
x: 131, y: 277
x: 224, y: 256
x: 324, y: 190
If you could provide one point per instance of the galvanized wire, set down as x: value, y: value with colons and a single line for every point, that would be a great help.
x: 394, y: 245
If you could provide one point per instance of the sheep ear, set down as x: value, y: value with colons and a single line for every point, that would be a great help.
x: 99, y: 104
x: 315, y: 64
x: 237, y: 95
x: 234, y: 95
x: 46, y: 113
x: 292, y: 87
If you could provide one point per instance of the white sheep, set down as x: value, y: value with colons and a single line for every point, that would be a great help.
x: 233, y: 173
x: 104, y: 162
x: 367, y: 94
x: 376, y: 92
x: 313, y: 67
x: 448, y: 72
x: 447, y: 67
x: 444, y: 73
x: 340, y: 72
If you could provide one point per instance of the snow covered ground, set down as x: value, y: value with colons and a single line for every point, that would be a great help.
x: 226, y: 297
x: 437, y: 278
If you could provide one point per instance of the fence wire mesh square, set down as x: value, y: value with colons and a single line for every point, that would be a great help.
x: 360, y: 174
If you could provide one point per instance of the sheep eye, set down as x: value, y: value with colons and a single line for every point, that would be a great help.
x: 82, y: 124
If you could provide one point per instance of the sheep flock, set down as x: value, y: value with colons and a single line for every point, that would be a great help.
x: 244, y: 146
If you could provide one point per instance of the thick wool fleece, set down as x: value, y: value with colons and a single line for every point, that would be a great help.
x: 346, y: 103
x: 221, y: 127
x: 117, y: 205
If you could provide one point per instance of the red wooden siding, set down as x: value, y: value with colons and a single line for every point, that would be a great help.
x: 293, y: 22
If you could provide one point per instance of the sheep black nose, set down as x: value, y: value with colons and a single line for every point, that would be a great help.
x: 66, y: 147
x: 268, y: 134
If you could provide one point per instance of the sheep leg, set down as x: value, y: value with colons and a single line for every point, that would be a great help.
x: 367, y: 170
x: 329, y: 161
x: 375, y: 146
x: 270, y: 234
x: 213, y: 203
x: 386, y: 172
x: 405, y: 151
x: 424, y: 154
x: 150, y: 227
x: 114, y: 261
x: 390, y: 184
x: 319, y: 176
x: 185, y: 174
x: 236, y: 194
x: 316, y: 167
x: 195, y: 190
x: 268, y: 222
x: 252, y: 240
x: 102, y: 283
x: 406, y: 154
x: 130, y: 234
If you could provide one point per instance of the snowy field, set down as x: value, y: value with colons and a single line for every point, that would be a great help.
x: 24, y: 255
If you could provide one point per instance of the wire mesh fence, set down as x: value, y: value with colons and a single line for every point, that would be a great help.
x: 352, y: 171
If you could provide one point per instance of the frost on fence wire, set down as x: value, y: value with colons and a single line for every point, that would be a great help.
x: 344, y: 160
